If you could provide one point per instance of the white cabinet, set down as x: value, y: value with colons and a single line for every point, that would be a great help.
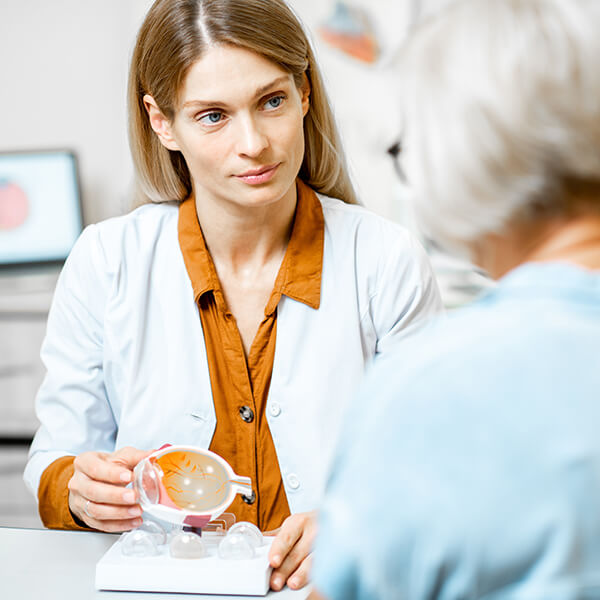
x: 24, y: 304
x: 21, y: 372
x: 18, y: 507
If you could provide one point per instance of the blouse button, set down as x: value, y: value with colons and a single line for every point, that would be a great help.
x: 275, y: 409
x: 246, y: 414
x: 250, y: 498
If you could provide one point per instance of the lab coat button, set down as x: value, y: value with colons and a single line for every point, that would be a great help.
x: 293, y: 481
x: 246, y: 414
x: 275, y: 409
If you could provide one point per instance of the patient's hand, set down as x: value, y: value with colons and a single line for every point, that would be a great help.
x: 290, y: 552
x: 97, y: 493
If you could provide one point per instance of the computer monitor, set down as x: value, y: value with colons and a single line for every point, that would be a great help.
x: 40, y: 207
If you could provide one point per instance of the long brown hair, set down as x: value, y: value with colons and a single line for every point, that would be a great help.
x: 173, y: 37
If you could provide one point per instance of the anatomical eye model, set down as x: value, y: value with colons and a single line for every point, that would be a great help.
x: 183, y: 485
x: 188, y: 487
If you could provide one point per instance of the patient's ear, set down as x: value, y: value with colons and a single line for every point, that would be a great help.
x: 160, y: 124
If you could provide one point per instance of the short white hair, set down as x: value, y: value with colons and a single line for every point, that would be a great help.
x: 501, y: 106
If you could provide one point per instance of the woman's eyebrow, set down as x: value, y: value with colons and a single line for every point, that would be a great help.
x: 265, y: 88
x: 205, y: 104
x: 220, y: 104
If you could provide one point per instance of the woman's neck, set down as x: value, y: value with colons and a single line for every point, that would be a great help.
x: 574, y: 240
x: 246, y: 238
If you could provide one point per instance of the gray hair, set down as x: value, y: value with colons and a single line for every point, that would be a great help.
x: 501, y: 105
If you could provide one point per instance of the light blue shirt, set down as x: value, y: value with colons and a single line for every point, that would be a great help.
x: 470, y: 466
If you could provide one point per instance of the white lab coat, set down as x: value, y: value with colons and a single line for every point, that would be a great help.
x: 126, y: 360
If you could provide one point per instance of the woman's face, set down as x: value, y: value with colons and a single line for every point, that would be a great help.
x: 239, y: 126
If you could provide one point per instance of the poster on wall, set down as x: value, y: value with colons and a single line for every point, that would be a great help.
x: 40, y: 207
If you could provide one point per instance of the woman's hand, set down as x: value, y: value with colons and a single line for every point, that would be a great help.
x: 97, y: 493
x: 290, y: 552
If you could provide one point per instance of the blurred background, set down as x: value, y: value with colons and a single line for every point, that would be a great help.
x: 63, y: 73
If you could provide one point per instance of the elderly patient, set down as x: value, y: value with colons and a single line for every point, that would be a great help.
x: 476, y: 472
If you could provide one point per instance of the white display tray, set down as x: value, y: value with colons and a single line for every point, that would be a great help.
x: 208, y: 575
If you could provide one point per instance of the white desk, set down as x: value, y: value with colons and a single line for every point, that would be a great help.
x: 39, y: 564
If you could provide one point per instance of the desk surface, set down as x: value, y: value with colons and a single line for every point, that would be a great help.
x: 39, y: 564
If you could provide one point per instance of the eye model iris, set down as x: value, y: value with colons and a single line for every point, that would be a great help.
x: 14, y: 205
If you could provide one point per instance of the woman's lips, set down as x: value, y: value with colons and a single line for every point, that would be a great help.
x: 257, y: 176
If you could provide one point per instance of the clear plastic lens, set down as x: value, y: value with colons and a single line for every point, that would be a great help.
x: 145, y: 483
x: 159, y: 535
x: 139, y: 543
x: 240, y: 543
x: 187, y: 545
x: 236, y: 546
x: 250, y: 531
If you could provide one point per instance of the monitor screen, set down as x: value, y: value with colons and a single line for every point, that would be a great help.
x: 40, y: 207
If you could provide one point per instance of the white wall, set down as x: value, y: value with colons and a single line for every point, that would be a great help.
x: 362, y: 99
x: 63, y: 72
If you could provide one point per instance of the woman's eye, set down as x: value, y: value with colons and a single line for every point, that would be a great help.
x: 212, y: 118
x: 274, y: 102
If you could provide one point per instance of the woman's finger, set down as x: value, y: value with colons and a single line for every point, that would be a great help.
x: 128, y: 457
x: 104, y: 493
x: 290, y: 548
x: 112, y: 526
x: 99, y: 467
x: 109, y: 512
x: 291, y: 563
x: 299, y: 578
x: 289, y: 533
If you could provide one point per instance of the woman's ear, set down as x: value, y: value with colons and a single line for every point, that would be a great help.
x: 160, y: 124
x: 305, y: 91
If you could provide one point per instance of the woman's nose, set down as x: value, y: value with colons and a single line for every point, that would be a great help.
x: 252, y: 141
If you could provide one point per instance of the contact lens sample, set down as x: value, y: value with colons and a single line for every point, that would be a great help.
x: 158, y: 533
x: 139, y: 543
x: 236, y: 546
x: 187, y: 545
x: 250, y: 531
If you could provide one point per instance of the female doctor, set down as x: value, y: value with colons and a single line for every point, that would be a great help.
x: 235, y: 310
